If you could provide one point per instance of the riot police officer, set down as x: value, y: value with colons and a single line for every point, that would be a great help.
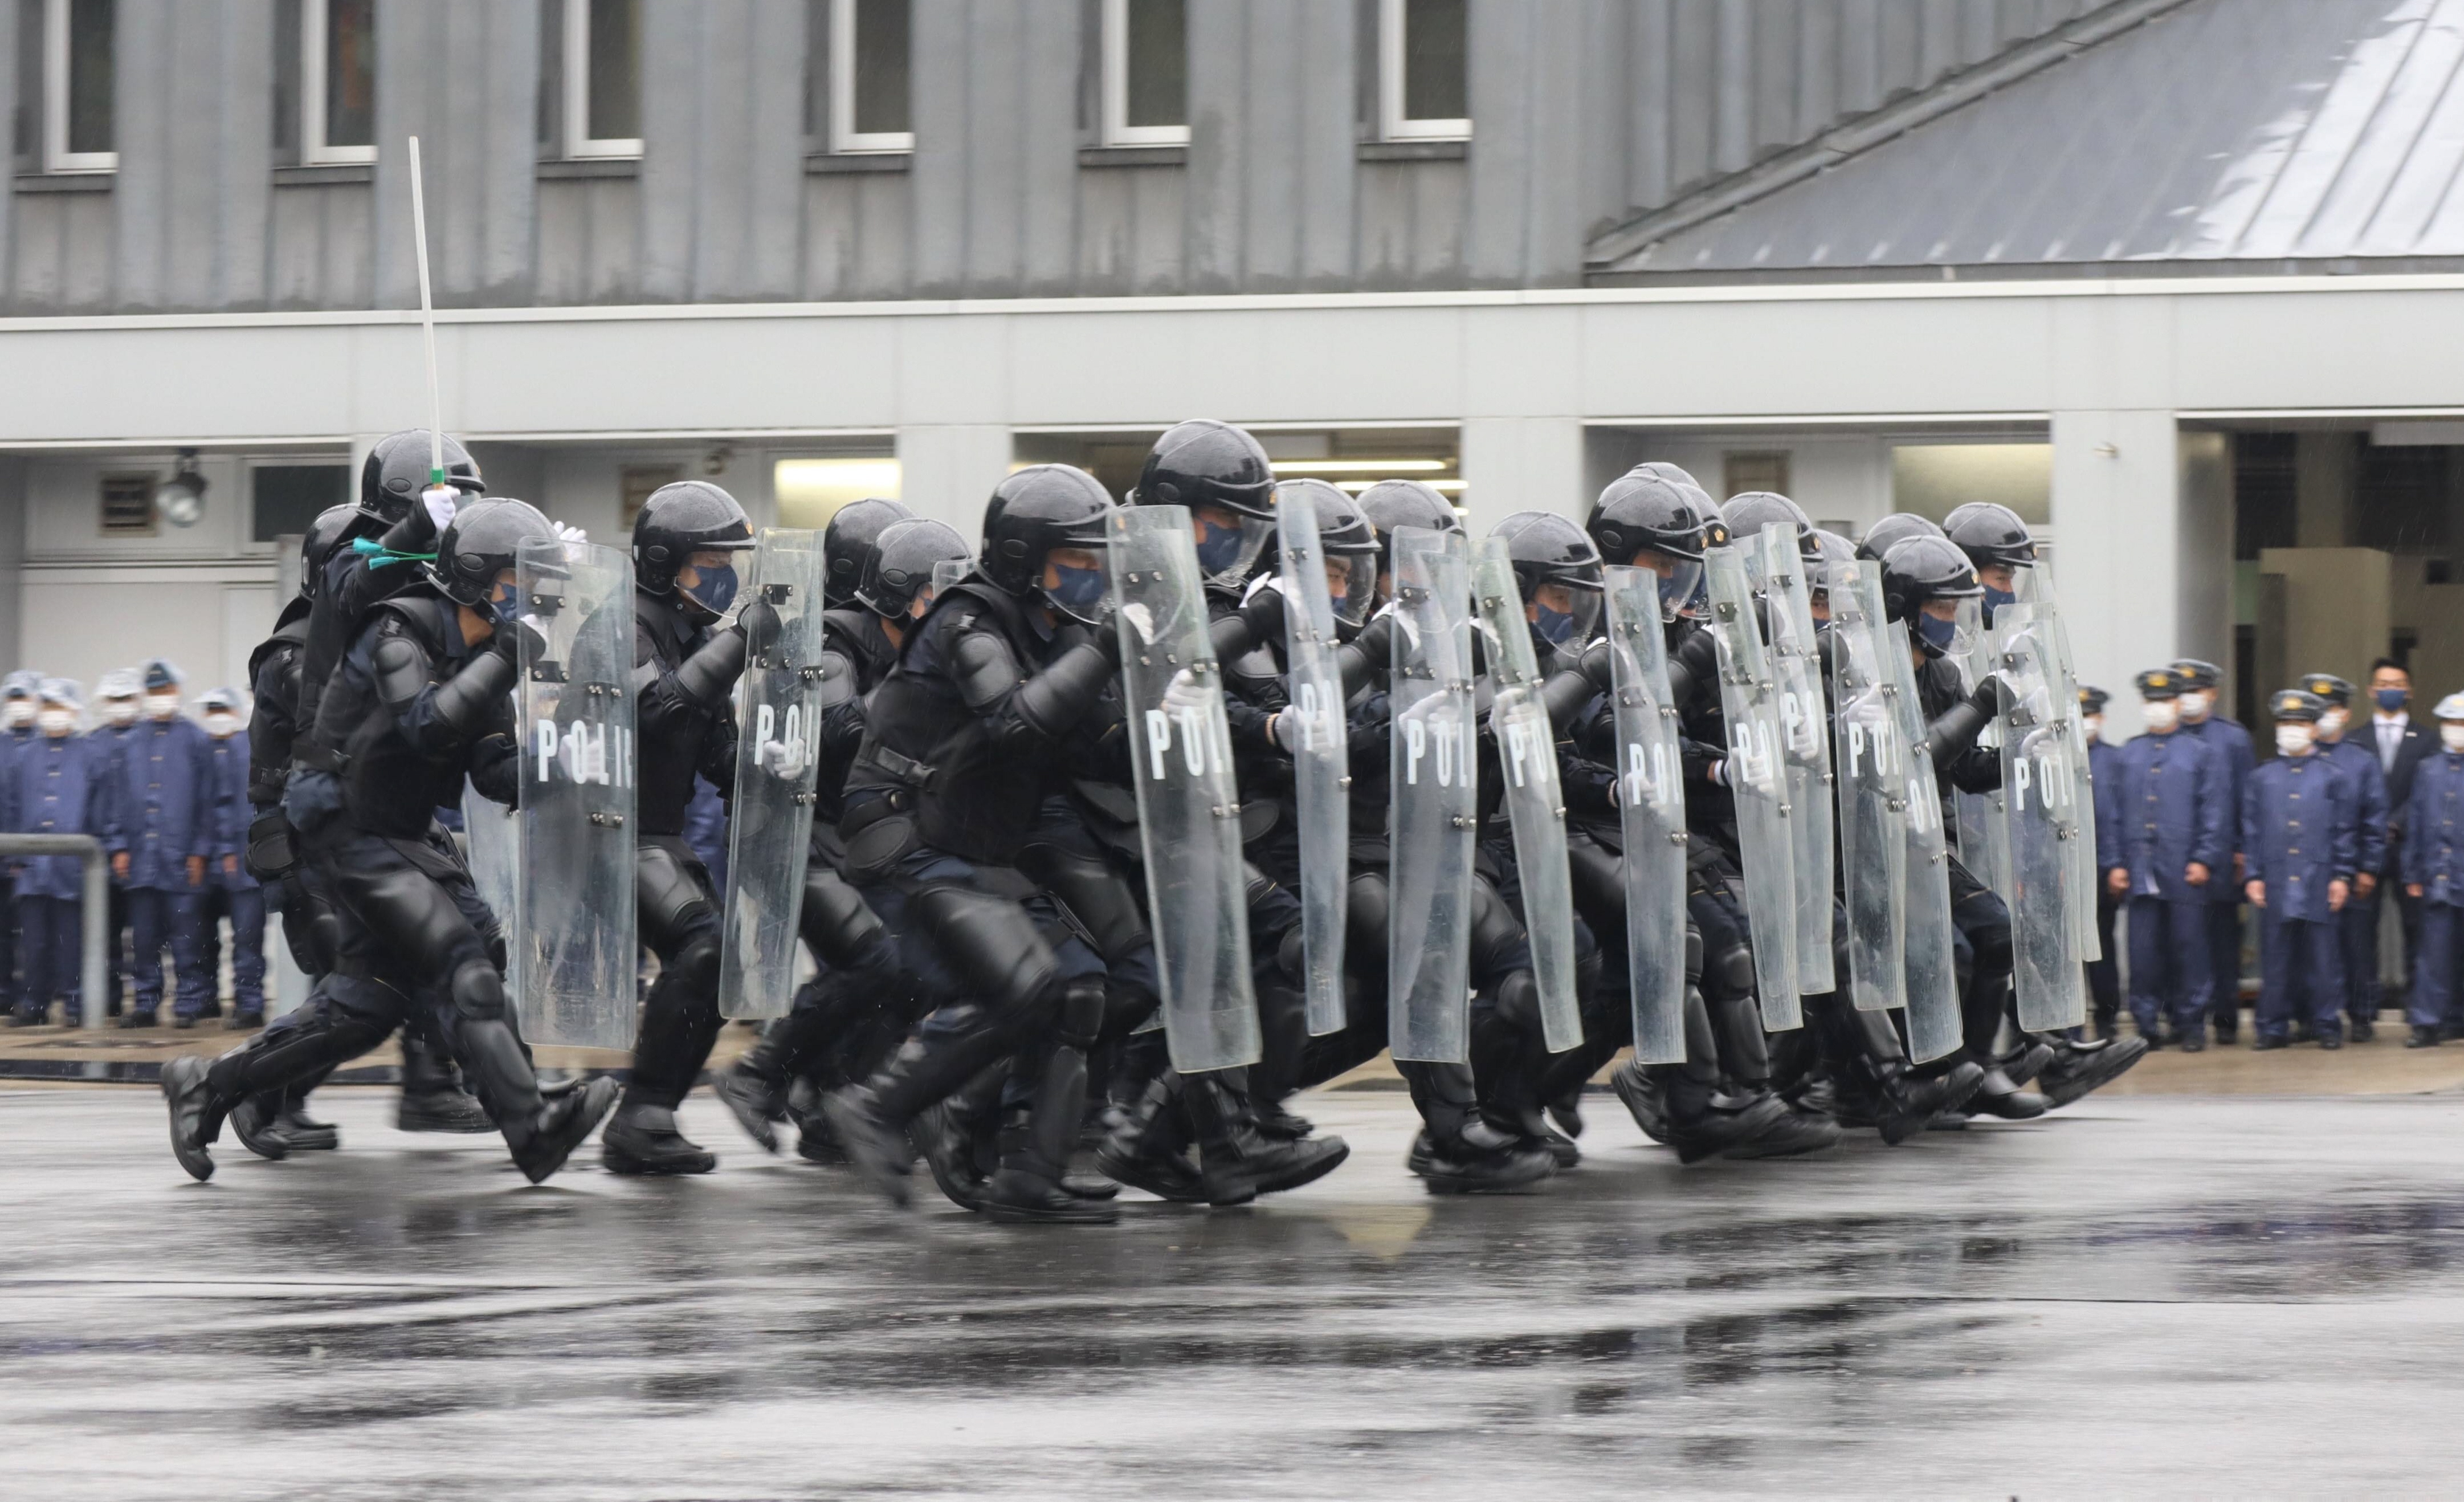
x: 686, y: 539
x: 2298, y: 835
x: 2357, y: 922
x: 848, y: 545
x: 2200, y: 683
x: 1998, y: 544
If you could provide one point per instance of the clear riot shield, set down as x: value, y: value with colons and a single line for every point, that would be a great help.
x: 1983, y: 828
x: 1189, y: 811
x: 1526, y: 757
x: 1872, y: 761
x: 1316, y: 733
x: 777, y: 742
x: 489, y: 841
x: 1757, y: 775
x: 2047, y: 977
x: 2036, y: 597
x: 1431, y: 800
x: 1650, y: 815
x: 572, y: 940
x: 1933, y: 972
x: 1805, y: 747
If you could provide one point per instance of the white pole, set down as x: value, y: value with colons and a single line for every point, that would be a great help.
x: 426, y: 323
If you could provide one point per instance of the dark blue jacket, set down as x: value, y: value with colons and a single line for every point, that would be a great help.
x: 2298, y: 834
x: 162, y: 809
x: 55, y: 787
x: 2433, y: 829
x: 2232, y: 744
x: 2105, y: 770
x: 232, y: 810
x: 2172, y: 806
x: 2358, y: 766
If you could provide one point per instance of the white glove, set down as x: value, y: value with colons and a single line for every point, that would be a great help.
x: 1183, y: 692
x: 783, y: 758
x: 569, y: 536
x: 439, y: 500
x: 1748, y: 770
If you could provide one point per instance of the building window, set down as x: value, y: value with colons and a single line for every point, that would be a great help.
x: 1743, y: 473
x: 1146, y: 73
x: 128, y: 505
x: 603, y: 78
x: 285, y: 499
x: 809, y: 492
x: 869, y: 50
x: 338, y: 82
x: 77, y: 86
x: 1424, y: 76
x: 634, y: 483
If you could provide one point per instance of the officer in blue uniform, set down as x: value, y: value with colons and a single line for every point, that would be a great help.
x: 2163, y: 848
x: 2433, y: 878
x: 2357, y: 926
x: 163, y: 830
x: 55, y: 787
x: 2298, y: 841
x: 231, y: 891
x: 2202, y: 682
x: 20, y: 702
x: 2104, y: 772
x: 117, y: 697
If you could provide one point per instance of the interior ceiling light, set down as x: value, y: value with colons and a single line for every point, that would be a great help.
x: 1381, y: 467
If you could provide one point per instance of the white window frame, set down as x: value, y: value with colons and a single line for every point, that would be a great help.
x: 316, y: 17
x: 1117, y: 130
x: 844, y: 138
x: 1393, y: 125
x: 56, y: 155
x: 578, y: 140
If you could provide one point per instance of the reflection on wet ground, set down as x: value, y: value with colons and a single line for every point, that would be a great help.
x: 2142, y: 1296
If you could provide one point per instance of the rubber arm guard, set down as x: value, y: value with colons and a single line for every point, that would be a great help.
x: 708, y: 676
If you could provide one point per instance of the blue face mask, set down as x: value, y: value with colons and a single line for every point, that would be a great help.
x: 1935, y: 631
x: 717, y: 591
x: 1677, y: 588
x: 1553, y: 626
x: 1997, y: 599
x: 1219, y: 548
x: 1079, y: 592
x: 2389, y: 700
x: 508, y: 603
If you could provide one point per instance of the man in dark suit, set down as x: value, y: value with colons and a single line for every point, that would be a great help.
x: 2400, y: 746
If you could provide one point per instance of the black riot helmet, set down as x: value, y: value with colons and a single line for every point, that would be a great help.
x: 331, y: 528
x: 1639, y: 511
x: 1348, y: 543
x: 1389, y: 504
x: 1749, y: 512
x: 396, y: 471
x: 903, y: 557
x: 847, y: 545
x: 1829, y: 550
x: 679, y: 521
x: 1918, y: 572
x: 1040, y: 508
x: 486, y: 538
x: 1991, y: 534
x: 1661, y: 469
x: 1549, y: 549
x: 1892, y: 531
x: 1203, y: 462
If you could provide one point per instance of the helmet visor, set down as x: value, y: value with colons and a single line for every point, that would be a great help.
x: 1076, y: 581
x: 1351, y: 585
x: 1563, y: 614
x: 1228, y: 555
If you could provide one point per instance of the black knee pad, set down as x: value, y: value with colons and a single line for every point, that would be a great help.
x: 1365, y: 897
x: 1731, y: 971
x: 1080, y: 1020
x: 1100, y: 901
x: 696, y: 963
x: 497, y: 955
x: 674, y: 893
x: 992, y: 943
x: 479, y: 991
x: 1518, y: 1001
x: 1493, y: 924
x: 838, y: 923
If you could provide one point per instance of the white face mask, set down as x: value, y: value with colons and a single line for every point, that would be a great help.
x: 2194, y: 705
x: 162, y: 706
x: 2332, y: 722
x: 2452, y: 737
x: 220, y: 725
x: 2160, y: 714
x: 56, y: 722
x: 2292, y: 740
x: 19, y: 713
x: 119, y: 711
x: 2095, y: 724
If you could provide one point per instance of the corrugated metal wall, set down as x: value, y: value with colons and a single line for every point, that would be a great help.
x: 1586, y: 112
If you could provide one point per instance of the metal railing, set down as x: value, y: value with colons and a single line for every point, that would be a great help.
x: 95, y: 918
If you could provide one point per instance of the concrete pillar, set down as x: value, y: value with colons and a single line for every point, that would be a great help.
x: 2326, y: 468
x: 12, y: 562
x: 1513, y: 464
x: 946, y: 472
x: 2121, y: 555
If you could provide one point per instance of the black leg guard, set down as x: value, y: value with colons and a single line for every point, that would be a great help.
x: 1029, y: 1185
x: 680, y: 1021
x: 311, y: 1051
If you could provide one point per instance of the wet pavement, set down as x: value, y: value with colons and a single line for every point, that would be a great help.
x: 2138, y: 1295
